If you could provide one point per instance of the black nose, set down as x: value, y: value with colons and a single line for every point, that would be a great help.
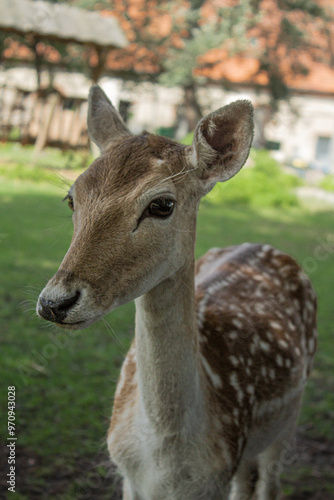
x: 56, y: 311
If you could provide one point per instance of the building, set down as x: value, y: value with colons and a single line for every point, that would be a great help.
x: 300, y: 134
x: 35, y: 105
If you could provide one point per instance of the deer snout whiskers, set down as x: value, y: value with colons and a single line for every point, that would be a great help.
x: 67, y: 307
x: 57, y: 310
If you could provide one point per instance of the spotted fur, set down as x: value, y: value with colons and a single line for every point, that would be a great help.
x: 256, y: 352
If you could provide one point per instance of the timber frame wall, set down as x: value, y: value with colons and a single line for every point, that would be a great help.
x: 43, y: 118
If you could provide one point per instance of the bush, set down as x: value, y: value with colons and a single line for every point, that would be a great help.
x: 327, y: 183
x: 263, y: 184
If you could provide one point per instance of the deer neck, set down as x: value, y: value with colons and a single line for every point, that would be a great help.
x: 168, y: 354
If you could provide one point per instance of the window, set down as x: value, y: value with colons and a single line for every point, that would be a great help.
x: 68, y: 103
x: 323, y: 149
x: 273, y: 145
x: 124, y: 109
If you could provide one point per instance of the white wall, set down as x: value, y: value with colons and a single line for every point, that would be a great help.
x: 298, y: 132
x: 296, y: 127
x: 24, y: 78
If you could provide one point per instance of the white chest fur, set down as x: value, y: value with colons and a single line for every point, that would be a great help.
x: 157, y: 466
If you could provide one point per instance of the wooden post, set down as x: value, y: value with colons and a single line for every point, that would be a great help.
x: 75, y: 126
x: 45, y: 125
x: 97, y: 70
x: 7, y: 115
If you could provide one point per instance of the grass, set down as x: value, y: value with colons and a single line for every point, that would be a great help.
x: 51, y: 158
x: 57, y: 384
x: 64, y: 384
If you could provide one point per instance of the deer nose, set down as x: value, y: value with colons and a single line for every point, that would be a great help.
x: 56, y: 311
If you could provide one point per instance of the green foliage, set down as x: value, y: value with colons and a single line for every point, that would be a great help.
x: 262, y: 184
x: 327, y: 183
x: 85, y: 4
x: 231, y: 29
x: 292, y: 33
x: 228, y: 24
x: 312, y: 7
x: 188, y: 139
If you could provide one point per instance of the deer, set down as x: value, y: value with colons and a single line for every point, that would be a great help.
x: 210, y: 390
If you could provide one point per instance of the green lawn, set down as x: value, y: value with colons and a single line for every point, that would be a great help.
x: 64, y: 384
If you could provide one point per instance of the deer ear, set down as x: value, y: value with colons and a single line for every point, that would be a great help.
x: 103, y: 121
x: 222, y: 141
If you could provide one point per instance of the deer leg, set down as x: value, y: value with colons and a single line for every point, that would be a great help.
x: 244, y: 481
x: 270, y: 468
x: 272, y: 462
x: 128, y: 492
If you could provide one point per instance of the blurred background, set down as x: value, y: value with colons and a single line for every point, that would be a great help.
x: 164, y: 64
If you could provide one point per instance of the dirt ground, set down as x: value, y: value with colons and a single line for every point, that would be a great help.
x: 312, y: 474
x: 309, y: 477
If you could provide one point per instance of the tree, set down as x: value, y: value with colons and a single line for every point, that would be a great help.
x: 287, y: 36
x: 222, y: 26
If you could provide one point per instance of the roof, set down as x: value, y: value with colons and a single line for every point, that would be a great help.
x: 60, y: 22
x: 243, y: 70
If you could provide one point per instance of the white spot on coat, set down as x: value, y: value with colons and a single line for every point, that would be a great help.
x: 215, y: 379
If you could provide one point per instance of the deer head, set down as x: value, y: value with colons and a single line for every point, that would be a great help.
x: 134, y: 209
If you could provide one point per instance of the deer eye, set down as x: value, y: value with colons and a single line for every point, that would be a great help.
x: 161, y: 207
x: 70, y: 202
